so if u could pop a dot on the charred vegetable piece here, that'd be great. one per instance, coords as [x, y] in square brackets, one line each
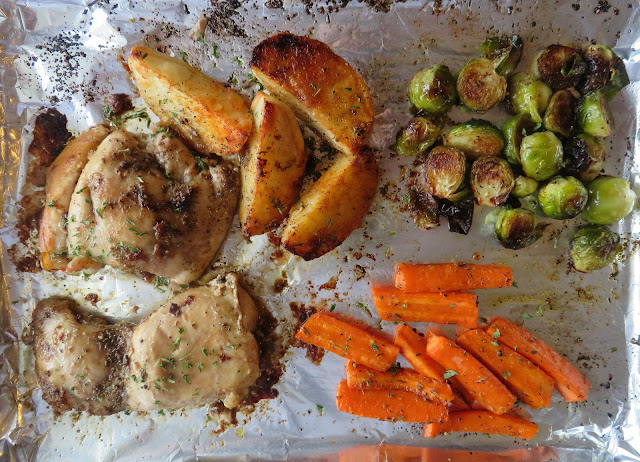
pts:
[433, 90]
[560, 115]
[524, 186]
[423, 207]
[444, 171]
[528, 96]
[618, 80]
[459, 212]
[479, 86]
[476, 138]
[491, 180]
[610, 200]
[584, 157]
[419, 134]
[505, 52]
[560, 66]
[594, 116]
[563, 198]
[517, 228]
[516, 128]
[541, 155]
[599, 60]
[593, 247]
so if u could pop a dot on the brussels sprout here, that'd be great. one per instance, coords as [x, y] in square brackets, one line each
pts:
[433, 90]
[528, 96]
[524, 186]
[479, 86]
[475, 138]
[599, 59]
[593, 247]
[560, 115]
[459, 212]
[505, 52]
[541, 155]
[618, 80]
[594, 116]
[491, 180]
[563, 198]
[610, 200]
[584, 157]
[517, 228]
[516, 128]
[419, 134]
[443, 171]
[560, 66]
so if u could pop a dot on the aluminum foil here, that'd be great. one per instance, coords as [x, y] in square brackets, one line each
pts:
[67, 54]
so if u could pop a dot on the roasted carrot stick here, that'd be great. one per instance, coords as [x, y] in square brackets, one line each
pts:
[487, 390]
[521, 376]
[393, 304]
[389, 405]
[570, 383]
[348, 341]
[449, 277]
[483, 422]
[399, 378]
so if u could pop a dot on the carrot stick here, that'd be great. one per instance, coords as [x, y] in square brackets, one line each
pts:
[449, 277]
[520, 375]
[400, 378]
[348, 341]
[451, 308]
[388, 405]
[485, 388]
[570, 383]
[483, 422]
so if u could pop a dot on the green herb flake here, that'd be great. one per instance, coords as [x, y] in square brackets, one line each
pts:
[320, 409]
[333, 307]
[183, 55]
[374, 347]
[363, 307]
[448, 374]
[526, 315]
[539, 310]
[200, 163]
[496, 334]
[240, 432]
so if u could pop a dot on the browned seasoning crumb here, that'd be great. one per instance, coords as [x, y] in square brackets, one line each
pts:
[302, 313]
[92, 298]
[279, 285]
[119, 103]
[330, 284]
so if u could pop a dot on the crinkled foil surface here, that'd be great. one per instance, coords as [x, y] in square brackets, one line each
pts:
[67, 55]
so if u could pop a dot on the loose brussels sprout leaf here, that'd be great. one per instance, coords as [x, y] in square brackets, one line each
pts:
[517, 228]
[516, 128]
[560, 115]
[475, 138]
[610, 200]
[563, 198]
[584, 157]
[419, 134]
[524, 186]
[443, 171]
[593, 247]
[479, 86]
[561, 66]
[505, 52]
[491, 180]
[599, 59]
[541, 155]
[433, 90]
[459, 212]
[423, 207]
[528, 96]
[593, 115]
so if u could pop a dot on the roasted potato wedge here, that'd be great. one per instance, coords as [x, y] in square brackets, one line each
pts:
[272, 167]
[320, 86]
[333, 207]
[213, 118]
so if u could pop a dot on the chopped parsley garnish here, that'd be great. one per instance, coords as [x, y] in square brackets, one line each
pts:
[448, 374]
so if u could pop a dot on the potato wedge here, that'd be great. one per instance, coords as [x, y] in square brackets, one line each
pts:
[333, 207]
[213, 118]
[320, 86]
[272, 167]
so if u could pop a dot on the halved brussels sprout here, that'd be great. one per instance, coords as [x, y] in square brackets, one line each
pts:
[524, 186]
[541, 155]
[491, 180]
[517, 228]
[560, 115]
[560, 66]
[516, 128]
[593, 247]
[528, 96]
[444, 171]
[563, 198]
[433, 90]
[584, 157]
[594, 116]
[475, 138]
[479, 86]
[505, 52]
[419, 134]
[459, 212]
[599, 59]
[610, 200]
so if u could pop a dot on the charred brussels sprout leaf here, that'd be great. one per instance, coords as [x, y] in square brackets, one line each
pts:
[516, 128]
[517, 228]
[528, 96]
[505, 52]
[560, 115]
[560, 66]
[593, 247]
[618, 80]
[563, 198]
[584, 157]
[479, 86]
[475, 138]
[459, 212]
[424, 208]
[419, 134]
[444, 171]
[433, 90]
[541, 155]
[594, 116]
[491, 180]
[524, 186]
[610, 200]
